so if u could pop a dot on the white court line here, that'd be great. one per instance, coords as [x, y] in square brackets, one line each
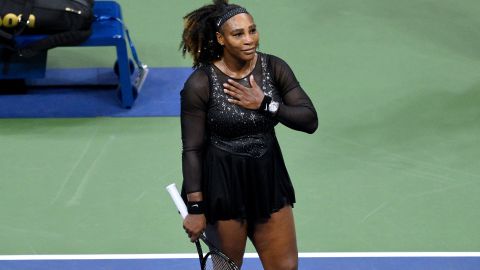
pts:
[247, 255]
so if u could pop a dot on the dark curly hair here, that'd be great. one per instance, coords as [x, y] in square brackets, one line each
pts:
[199, 33]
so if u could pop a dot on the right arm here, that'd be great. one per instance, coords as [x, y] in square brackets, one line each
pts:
[194, 100]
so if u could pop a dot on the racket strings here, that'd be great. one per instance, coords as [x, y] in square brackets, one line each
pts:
[214, 261]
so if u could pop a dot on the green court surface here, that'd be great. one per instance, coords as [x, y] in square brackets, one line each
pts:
[394, 165]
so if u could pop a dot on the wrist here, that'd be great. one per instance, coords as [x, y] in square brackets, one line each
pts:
[196, 208]
[196, 196]
[264, 105]
[269, 106]
[273, 108]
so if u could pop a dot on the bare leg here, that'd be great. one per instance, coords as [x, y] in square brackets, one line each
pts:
[275, 241]
[230, 236]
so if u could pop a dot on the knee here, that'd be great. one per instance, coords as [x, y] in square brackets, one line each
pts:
[285, 263]
[289, 264]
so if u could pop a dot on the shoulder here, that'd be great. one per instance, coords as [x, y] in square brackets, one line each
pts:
[282, 74]
[274, 60]
[277, 65]
[196, 90]
[197, 84]
[198, 79]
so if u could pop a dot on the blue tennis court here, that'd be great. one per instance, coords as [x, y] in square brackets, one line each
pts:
[365, 261]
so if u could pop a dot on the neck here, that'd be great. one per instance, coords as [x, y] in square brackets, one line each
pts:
[235, 68]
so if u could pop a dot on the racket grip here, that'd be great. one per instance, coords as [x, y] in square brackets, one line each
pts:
[177, 199]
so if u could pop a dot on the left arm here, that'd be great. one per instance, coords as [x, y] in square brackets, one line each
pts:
[296, 110]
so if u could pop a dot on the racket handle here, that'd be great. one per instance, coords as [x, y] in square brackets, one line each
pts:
[177, 199]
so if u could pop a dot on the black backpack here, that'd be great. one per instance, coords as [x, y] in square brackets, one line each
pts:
[63, 22]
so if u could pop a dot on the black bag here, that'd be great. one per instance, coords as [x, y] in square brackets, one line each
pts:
[64, 22]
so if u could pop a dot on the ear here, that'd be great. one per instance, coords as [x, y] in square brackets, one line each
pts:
[220, 38]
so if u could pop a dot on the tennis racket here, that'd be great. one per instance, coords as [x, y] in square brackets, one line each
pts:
[214, 259]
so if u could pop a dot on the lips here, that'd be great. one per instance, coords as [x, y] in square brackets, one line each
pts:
[249, 51]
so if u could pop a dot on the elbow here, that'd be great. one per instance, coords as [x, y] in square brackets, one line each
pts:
[312, 127]
[308, 125]
[311, 121]
[312, 124]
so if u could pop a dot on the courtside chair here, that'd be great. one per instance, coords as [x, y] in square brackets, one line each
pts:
[108, 29]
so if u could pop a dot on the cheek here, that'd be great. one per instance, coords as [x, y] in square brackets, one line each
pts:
[236, 44]
[257, 38]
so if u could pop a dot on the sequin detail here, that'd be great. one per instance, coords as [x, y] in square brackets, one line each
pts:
[250, 145]
[235, 129]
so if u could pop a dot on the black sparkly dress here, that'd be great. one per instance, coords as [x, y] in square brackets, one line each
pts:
[231, 154]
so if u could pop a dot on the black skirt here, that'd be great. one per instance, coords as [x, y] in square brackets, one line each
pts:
[243, 187]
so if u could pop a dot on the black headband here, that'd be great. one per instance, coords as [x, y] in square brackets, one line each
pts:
[229, 14]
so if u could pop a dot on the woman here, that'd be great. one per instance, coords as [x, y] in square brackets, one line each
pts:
[235, 178]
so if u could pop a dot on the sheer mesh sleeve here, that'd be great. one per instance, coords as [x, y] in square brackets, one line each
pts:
[194, 103]
[296, 111]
